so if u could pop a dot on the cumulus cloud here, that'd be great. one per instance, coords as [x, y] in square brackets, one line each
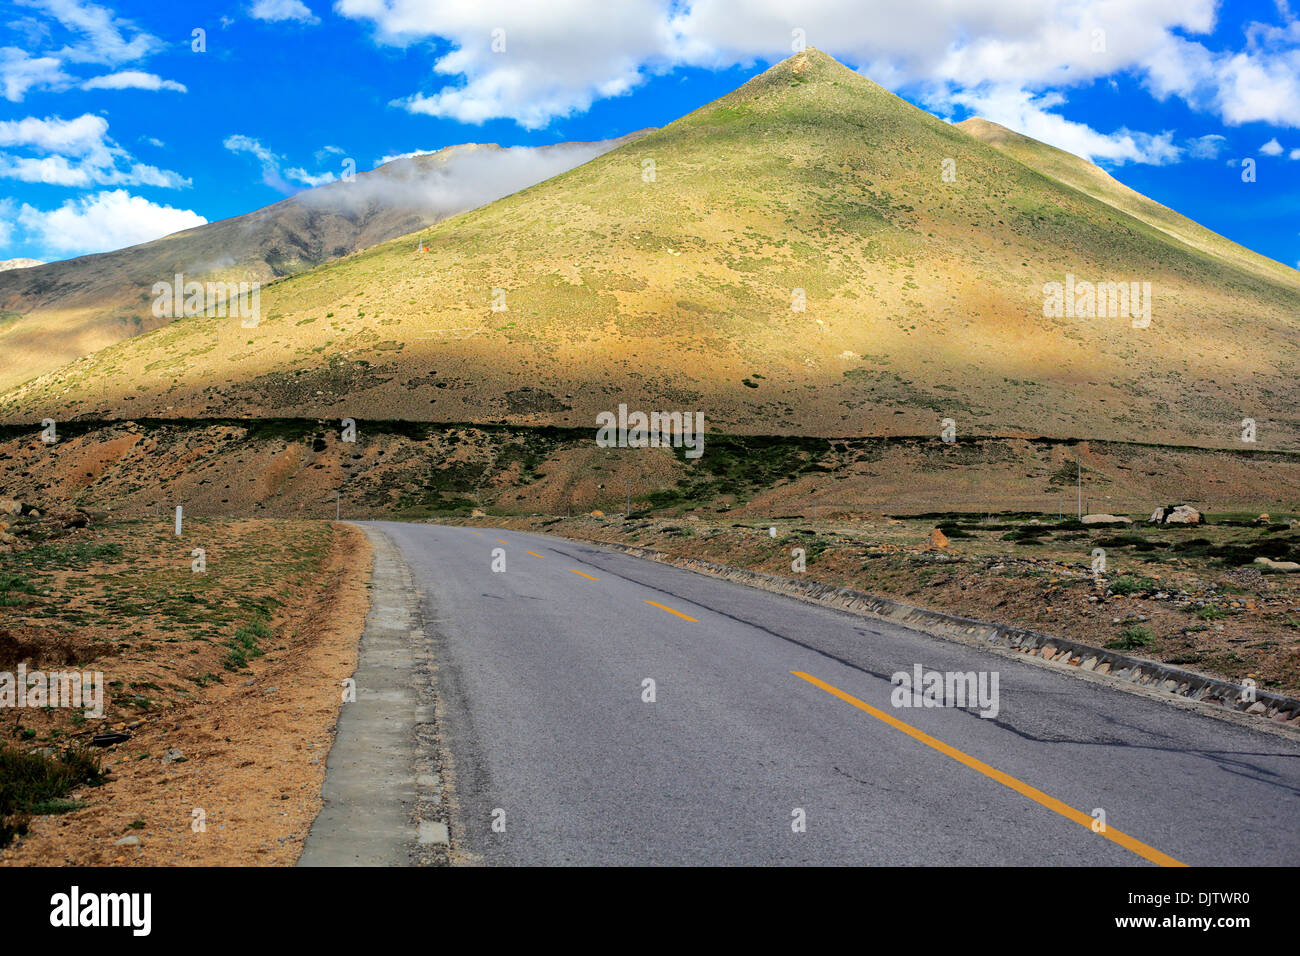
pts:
[1206, 147]
[132, 80]
[558, 57]
[21, 72]
[103, 221]
[1026, 113]
[275, 10]
[1271, 148]
[76, 152]
[534, 63]
[100, 35]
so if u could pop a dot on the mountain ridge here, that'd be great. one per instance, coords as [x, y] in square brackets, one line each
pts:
[668, 272]
[61, 310]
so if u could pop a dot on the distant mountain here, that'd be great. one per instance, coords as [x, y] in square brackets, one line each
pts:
[8, 264]
[808, 255]
[56, 312]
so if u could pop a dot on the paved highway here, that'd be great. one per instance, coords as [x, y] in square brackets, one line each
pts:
[768, 711]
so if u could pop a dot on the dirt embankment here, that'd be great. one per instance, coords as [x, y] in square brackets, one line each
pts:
[229, 683]
[308, 468]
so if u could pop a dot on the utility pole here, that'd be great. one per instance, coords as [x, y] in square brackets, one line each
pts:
[1080, 483]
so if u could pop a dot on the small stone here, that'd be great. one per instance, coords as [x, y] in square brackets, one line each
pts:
[173, 756]
[433, 832]
[128, 841]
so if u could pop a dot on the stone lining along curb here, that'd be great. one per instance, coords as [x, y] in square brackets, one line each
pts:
[1279, 710]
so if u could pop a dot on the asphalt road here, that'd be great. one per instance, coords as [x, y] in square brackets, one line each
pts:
[541, 668]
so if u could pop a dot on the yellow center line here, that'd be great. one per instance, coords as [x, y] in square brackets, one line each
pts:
[503, 542]
[479, 533]
[533, 553]
[587, 576]
[671, 611]
[1024, 789]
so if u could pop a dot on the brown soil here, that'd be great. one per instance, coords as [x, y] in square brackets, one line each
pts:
[254, 740]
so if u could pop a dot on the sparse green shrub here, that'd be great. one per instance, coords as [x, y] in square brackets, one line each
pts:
[1131, 638]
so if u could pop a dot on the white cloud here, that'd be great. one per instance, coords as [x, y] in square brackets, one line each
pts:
[1294, 154]
[459, 178]
[1206, 147]
[270, 162]
[1026, 113]
[104, 221]
[306, 178]
[559, 56]
[20, 72]
[1260, 83]
[8, 214]
[562, 56]
[132, 80]
[76, 152]
[275, 10]
[103, 36]
[1271, 148]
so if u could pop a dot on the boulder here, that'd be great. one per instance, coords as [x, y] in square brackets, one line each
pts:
[598, 513]
[10, 506]
[1176, 514]
[1280, 567]
[1184, 514]
[1105, 519]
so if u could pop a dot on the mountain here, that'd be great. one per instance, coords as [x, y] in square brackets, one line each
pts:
[63, 310]
[8, 264]
[1099, 184]
[670, 273]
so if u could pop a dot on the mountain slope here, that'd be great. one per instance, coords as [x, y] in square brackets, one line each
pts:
[677, 290]
[59, 311]
[1099, 184]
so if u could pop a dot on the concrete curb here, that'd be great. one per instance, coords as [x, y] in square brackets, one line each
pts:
[1217, 696]
[373, 794]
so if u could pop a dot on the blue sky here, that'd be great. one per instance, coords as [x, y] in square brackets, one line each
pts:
[115, 130]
